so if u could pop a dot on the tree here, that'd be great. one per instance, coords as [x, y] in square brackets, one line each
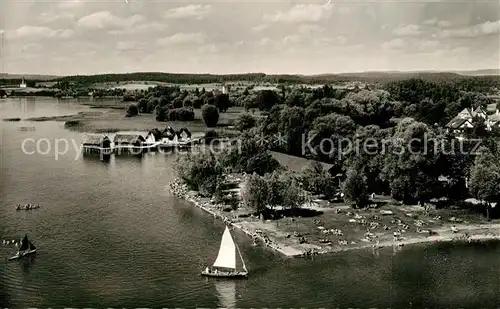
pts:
[180, 114]
[478, 128]
[291, 125]
[267, 99]
[128, 98]
[201, 172]
[354, 187]
[261, 164]
[132, 110]
[222, 103]
[410, 163]
[187, 102]
[142, 105]
[251, 156]
[255, 194]
[210, 115]
[197, 103]
[244, 122]
[161, 113]
[485, 178]
[317, 180]
[264, 193]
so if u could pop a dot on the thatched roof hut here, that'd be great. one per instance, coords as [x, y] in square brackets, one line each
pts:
[98, 140]
[129, 139]
[183, 133]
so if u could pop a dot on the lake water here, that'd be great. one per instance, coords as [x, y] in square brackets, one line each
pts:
[112, 235]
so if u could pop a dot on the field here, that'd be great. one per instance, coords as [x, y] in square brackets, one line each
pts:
[112, 119]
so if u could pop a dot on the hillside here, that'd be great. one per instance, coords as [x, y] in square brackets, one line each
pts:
[180, 78]
[38, 77]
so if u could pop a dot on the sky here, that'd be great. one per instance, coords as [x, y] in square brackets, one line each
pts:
[69, 37]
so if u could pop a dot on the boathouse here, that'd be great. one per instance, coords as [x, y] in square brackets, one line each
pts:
[150, 138]
[183, 134]
[129, 143]
[98, 144]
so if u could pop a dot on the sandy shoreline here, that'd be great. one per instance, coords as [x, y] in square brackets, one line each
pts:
[269, 233]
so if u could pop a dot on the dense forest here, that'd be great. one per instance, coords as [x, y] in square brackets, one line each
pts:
[334, 126]
[370, 77]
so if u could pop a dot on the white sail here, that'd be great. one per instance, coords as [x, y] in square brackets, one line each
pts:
[227, 252]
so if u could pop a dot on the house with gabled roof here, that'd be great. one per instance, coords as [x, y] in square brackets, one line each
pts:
[459, 125]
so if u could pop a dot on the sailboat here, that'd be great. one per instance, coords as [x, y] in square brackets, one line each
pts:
[25, 249]
[225, 264]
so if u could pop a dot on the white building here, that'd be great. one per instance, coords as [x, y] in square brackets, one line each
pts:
[23, 84]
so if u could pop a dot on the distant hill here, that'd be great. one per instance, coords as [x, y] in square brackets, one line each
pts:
[180, 78]
[480, 72]
[28, 76]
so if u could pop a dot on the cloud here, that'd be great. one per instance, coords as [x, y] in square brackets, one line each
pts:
[430, 22]
[310, 29]
[32, 47]
[408, 30]
[434, 22]
[189, 12]
[70, 4]
[330, 41]
[427, 45]
[394, 44]
[265, 42]
[443, 24]
[122, 46]
[292, 39]
[260, 28]
[210, 49]
[182, 39]
[52, 17]
[302, 13]
[104, 20]
[39, 32]
[486, 28]
[139, 29]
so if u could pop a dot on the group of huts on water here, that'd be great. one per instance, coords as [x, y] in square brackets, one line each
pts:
[136, 143]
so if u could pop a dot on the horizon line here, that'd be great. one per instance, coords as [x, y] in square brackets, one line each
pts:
[275, 73]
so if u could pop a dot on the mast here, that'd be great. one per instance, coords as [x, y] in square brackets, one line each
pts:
[241, 257]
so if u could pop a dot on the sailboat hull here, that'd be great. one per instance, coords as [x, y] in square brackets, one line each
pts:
[18, 255]
[223, 274]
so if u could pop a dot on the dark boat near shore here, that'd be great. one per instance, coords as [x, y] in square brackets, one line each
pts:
[225, 264]
[27, 207]
[26, 248]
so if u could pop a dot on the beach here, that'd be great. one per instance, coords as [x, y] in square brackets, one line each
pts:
[343, 234]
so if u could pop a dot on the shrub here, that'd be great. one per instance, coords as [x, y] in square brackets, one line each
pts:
[128, 98]
[181, 114]
[210, 115]
[210, 135]
[132, 110]
[142, 105]
[177, 102]
[197, 103]
[244, 122]
[161, 113]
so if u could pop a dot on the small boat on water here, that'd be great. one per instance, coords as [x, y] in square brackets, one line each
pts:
[27, 207]
[25, 249]
[225, 264]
